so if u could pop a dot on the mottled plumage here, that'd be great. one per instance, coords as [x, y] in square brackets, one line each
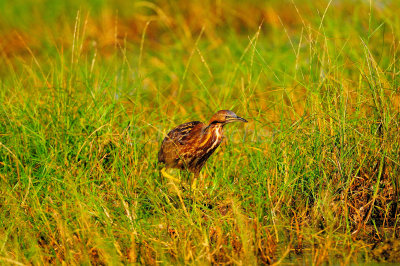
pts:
[188, 146]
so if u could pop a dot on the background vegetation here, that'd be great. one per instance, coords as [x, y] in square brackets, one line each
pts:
[88, 91]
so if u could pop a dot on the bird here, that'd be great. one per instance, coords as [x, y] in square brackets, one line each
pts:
[189, 145]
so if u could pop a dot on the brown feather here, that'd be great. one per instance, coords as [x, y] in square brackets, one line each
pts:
[188, 146]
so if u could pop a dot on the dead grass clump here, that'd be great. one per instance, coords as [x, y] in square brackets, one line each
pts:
[370, 201]
[240, 238]
[386, 251]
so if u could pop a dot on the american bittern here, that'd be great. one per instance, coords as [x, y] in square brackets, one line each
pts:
[188, 146]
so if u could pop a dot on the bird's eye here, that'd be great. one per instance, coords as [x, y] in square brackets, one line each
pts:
[227, 116]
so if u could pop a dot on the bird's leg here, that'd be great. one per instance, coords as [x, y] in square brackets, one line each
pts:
[170, 177]
[202, 178]
[193, 186]
[176, 189]
[194, 183]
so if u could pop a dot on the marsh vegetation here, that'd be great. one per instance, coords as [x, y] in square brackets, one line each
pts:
[88, 91]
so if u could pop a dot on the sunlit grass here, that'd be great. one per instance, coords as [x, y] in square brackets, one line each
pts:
[87, 96]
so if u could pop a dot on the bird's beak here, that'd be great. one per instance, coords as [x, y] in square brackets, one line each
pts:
[241, 119]
[235, 119]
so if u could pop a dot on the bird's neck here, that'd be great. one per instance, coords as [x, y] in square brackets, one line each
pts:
[215, 131]
[212, 134]
[213, 128]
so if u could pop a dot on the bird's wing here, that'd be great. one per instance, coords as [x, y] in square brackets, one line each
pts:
[179, 135]
[176, 137]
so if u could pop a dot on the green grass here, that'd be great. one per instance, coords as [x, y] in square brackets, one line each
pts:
[87, 92]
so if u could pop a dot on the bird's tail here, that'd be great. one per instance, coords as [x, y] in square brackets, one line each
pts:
[161, 157]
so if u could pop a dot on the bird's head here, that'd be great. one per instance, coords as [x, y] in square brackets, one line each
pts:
[224, 117]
